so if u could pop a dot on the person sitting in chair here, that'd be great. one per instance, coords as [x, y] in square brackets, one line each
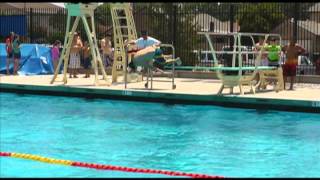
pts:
[146, 41]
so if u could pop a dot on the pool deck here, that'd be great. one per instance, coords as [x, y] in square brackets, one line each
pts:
[305, 97]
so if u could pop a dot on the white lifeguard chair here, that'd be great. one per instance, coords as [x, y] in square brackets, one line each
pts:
[81, 11]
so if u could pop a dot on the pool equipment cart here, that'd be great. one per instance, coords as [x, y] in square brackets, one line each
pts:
[81, 11]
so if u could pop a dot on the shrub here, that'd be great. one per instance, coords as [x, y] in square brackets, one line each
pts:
[56, 36]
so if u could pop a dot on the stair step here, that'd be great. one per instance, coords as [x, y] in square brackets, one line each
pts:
[123, 17]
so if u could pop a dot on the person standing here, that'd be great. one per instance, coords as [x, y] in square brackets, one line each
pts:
[258, 47]
[274, 51]
[16, 53]
[106, 48]
[75, 49]
[86, 59]
[55, 54]
[9, 49]
[292, 52]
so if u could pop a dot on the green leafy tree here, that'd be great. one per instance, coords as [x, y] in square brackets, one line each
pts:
[218, 10]
[292, 9]
[170, 23]
[103, 18]
[259, 17]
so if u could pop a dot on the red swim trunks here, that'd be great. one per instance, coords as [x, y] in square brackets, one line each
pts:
[289, 69]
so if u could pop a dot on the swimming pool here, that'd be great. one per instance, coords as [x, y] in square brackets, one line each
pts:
[211, 140]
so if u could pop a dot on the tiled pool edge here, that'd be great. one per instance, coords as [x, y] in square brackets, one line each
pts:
[170, 98]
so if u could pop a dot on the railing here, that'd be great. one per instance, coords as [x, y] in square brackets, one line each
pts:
[178, 24]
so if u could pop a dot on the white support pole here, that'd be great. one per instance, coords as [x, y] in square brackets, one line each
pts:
[215, 60]
[63, 51]
[104, 74]
[234, 50]
[66, 56]
[239, 56]
[92, 48]
[66, 49]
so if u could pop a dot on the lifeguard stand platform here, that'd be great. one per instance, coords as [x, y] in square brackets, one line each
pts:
[81, 11]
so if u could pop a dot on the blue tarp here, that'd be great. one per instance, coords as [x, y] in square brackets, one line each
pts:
[35, 59]
[15, 23]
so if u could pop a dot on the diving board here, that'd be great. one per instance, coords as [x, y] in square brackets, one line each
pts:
[238, 77]
[222, 68]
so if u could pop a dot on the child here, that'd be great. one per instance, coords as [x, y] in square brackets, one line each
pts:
[9, 41]
[55, 53]
[87, 59]
[16, 53]
[106, 50]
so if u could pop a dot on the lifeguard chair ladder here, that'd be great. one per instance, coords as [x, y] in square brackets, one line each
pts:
[124, 29]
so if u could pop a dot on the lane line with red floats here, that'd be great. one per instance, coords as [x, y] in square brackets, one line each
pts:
[102, 166]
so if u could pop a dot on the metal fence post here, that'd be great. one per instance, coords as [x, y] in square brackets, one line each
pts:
[231, 15]
[31, 25]
[295, 24]
[174, 24]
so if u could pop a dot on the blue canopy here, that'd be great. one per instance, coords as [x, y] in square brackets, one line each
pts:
[35, 59]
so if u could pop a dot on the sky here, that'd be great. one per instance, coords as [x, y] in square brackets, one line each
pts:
[59, 4]
[62, 4]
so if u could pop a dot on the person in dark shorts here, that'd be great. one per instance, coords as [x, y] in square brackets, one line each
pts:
[86, 59]
[159, 60]
[16, 53]
[318, 66]
[292, 52]
[9, 49]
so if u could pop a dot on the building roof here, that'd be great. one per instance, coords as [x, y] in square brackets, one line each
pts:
[30, 5]
[311, 26]
[314, 8]
[203, 20]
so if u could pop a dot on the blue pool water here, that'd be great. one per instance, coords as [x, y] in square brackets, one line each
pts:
[202, 139]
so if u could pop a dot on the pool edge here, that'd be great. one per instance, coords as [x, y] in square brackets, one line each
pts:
[169, 98]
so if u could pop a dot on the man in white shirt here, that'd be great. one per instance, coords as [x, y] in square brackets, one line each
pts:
[146, 41]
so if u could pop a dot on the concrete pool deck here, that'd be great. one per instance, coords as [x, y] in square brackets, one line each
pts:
[305, 97]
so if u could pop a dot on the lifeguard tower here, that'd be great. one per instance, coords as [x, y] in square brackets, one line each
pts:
[81, 11]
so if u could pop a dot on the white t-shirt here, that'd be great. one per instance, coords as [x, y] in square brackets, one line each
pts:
[141, 43]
